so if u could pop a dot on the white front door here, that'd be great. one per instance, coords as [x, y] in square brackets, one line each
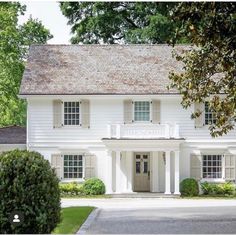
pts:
[142, 172]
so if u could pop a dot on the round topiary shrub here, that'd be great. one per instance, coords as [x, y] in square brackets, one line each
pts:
[30, 186]
[93, 186]
[189, 187]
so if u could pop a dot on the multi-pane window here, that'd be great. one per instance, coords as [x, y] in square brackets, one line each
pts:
[71, 113]
[212, 166]
[141, 111]
[73, 166]
[209, 115]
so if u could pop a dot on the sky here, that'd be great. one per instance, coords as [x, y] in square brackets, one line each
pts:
[50, 15]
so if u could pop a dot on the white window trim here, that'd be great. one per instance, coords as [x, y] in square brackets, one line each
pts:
[214, 180]
[150, 113]
[71, 126]
[68, 180]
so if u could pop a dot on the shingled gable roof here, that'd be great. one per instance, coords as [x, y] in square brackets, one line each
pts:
[99, 69]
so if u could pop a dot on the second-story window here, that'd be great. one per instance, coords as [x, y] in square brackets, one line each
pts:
[141, 111]
[71, 113]
[209, 115]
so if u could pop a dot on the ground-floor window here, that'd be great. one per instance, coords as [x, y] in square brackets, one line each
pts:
[212, 166]
[73, 166]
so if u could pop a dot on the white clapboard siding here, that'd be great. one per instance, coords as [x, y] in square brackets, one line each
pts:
[102, 112]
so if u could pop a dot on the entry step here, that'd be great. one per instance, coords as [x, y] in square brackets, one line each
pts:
[143, 195]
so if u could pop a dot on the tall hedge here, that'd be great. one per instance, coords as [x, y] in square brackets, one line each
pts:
[29, 185]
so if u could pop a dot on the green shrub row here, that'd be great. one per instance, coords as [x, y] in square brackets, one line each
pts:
[224, 189]
[70, 189]
[91, 186]
[190, 187]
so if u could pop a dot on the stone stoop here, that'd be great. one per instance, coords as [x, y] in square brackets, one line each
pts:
[143, 195]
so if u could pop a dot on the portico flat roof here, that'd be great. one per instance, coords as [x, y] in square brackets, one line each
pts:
[147, 145]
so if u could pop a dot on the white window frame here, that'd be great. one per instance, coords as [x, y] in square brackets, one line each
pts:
[63, 112]
[83, 168]
[222, 179]
[150, 111]
[209, 112]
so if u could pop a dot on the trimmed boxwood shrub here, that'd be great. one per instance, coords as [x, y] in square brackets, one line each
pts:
[214, 189]
[189, 187]
[28, 184]
[93, 186]
[71, 189]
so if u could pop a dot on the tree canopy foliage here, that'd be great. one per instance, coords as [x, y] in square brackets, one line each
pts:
[210, 66]
[14, 42]
[119, 22]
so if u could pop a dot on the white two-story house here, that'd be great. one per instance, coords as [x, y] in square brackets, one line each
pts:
[105, 111]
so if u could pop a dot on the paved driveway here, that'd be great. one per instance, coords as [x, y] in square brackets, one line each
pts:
[140, 216]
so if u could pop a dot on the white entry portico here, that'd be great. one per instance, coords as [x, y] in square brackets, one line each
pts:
[149, 161]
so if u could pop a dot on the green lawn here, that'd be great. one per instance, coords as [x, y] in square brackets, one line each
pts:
[72, 219]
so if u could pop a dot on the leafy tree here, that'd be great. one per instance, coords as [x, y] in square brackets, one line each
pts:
[14, 42]
[209, 66]
[119, 22]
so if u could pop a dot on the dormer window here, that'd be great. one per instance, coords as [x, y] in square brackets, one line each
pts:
[141, 111]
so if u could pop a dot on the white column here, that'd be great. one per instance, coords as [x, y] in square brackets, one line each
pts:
[154, 175]
[177, 173]
[109, 173]
[167, 183]
[118, 172]
[129, 170]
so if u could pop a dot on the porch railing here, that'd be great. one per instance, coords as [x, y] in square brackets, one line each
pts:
[143, 131]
